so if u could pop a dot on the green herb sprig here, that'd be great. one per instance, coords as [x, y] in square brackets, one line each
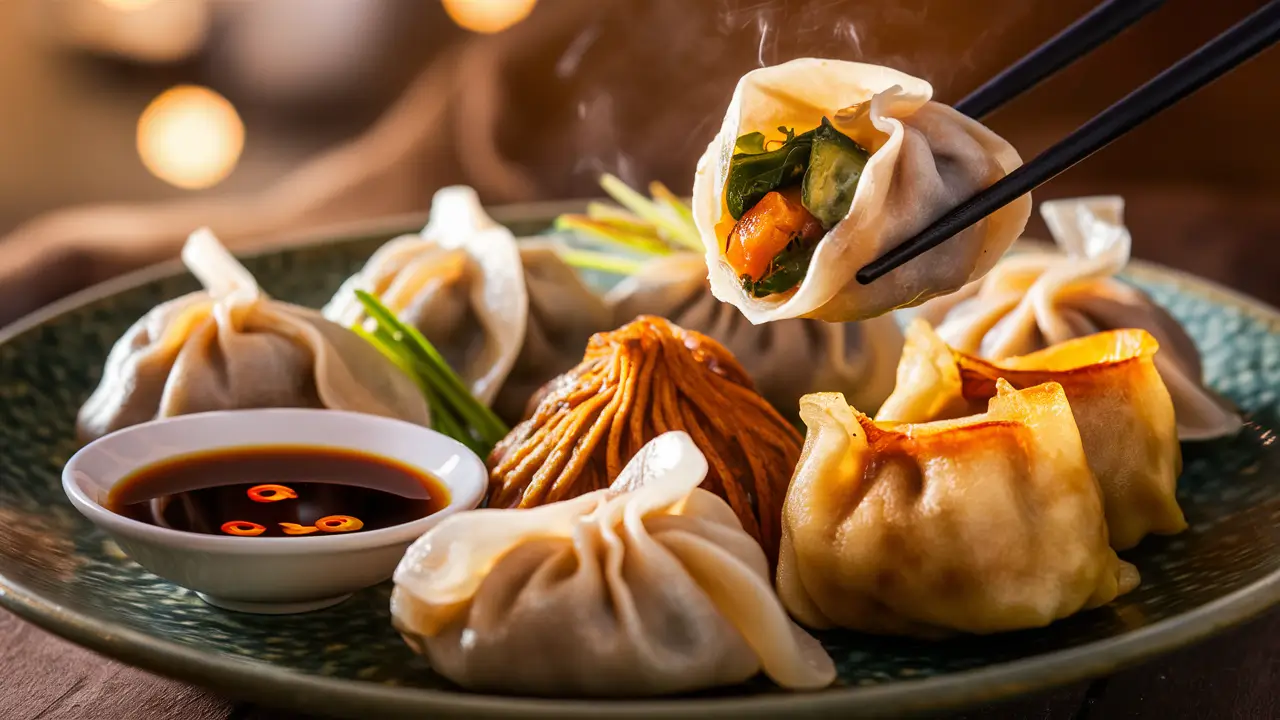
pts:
[454, 410]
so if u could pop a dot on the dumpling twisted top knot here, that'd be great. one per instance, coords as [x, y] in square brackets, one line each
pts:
[230, 346]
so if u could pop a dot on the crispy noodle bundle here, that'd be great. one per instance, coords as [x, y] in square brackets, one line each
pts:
[635, 383]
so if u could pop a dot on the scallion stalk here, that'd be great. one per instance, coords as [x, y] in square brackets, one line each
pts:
[651, 212]
[613, 234]
[602, 262]
[454, 410]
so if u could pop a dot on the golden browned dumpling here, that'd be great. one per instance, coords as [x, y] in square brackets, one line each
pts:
[1120, 404]
[1034, 299]
[988, 523]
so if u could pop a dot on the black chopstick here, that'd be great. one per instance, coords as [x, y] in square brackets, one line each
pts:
[1080, 38]
[1244, 40]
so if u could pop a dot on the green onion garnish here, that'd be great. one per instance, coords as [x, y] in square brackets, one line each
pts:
[641, 226]
[454, 410]
[667, 214]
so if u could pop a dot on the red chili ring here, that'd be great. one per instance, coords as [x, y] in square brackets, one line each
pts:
[339, 523]
[296, 529]
[242, 528]
[271, 493]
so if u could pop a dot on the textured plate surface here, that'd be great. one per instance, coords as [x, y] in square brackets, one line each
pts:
[60, 572]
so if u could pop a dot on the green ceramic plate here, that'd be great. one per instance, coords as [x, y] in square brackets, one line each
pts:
[58, 571]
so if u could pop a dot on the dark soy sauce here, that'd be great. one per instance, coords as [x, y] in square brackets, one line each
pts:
[278, 491]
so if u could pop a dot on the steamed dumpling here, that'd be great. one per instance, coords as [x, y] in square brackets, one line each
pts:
[1035, 299]
[507, 316]
[984, 524]
[230, 347]
[649, 590]
[460, 283]
[786, 359]
[1119, 403]
[563, 315]
[884, 162]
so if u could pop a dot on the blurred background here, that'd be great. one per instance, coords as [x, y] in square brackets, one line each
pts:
[124, 124]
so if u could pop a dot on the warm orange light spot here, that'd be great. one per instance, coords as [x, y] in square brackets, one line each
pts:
[243, 528]
[190, 137]
[296, 529]
[271, 493]
[488, 16]
[339, 523]
[128, 5]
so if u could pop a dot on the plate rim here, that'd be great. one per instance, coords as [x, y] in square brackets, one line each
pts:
[269, 684]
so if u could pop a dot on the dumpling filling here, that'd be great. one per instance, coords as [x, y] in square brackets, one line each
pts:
[783, 200]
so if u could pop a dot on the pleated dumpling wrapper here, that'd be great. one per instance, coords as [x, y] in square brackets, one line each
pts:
[648, 588]
[1035, 299]
[563, 315]
[820, 167]
[1119, 403]
[983, 524]
[230, 346]
[459, 282]
[506, 316]
[785, 359]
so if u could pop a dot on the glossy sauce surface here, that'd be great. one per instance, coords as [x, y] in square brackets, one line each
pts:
[278, 491]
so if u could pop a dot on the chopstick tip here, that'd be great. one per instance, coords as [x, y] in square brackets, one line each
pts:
[869, 274]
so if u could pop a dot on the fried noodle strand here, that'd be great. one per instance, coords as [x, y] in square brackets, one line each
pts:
[645, 378]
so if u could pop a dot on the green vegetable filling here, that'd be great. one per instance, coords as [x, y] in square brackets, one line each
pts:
[835, 166]
[752, 175]
[785, 272]
[826, 163]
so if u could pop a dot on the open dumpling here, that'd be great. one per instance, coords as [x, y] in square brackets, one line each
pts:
[983, 524]
[786, 359]
[820, 167]
[1035, 299]
[1119, 403]
[230, 347]
[647, 589]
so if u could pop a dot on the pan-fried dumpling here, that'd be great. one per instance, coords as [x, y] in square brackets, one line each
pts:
[1035, 299]
[1119, 403]
[785, 359]
[460, 283]
[820, 167]
[650, 588]
[230, 347]
[983, 524]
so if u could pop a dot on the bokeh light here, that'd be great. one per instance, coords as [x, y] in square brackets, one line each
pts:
[488, 16]
[190, 137]
[127, 5]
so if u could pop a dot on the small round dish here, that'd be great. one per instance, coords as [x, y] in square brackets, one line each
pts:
[268, 575]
